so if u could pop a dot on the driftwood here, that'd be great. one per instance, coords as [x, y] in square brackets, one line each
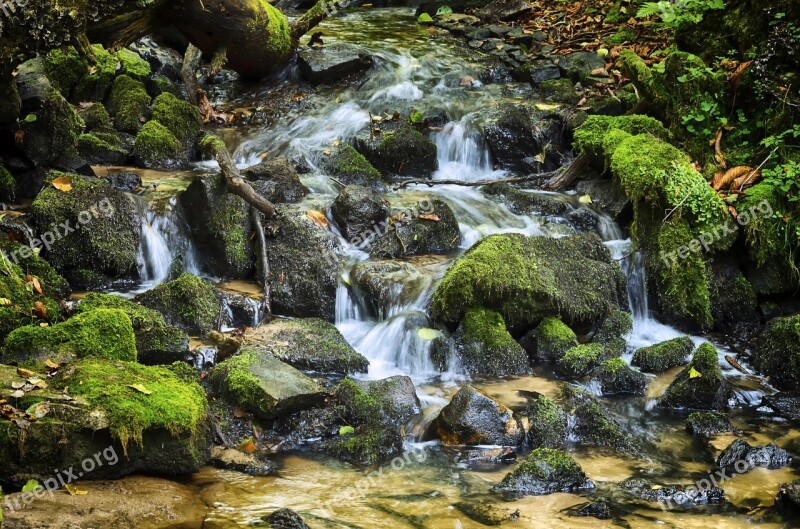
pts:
[255, 217]
[478, 183]
[191, 61]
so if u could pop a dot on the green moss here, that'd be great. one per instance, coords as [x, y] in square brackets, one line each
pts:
[578, 361]
[96, 118]
[486, 346]
[8, 186]
[700, 385]
[241, 384]
[65, 68]
[618, 324]
[276, 24]
[132, 65]
[369, 445]
[188, 302]
[777, 352]
[593, 423]
[555, 459]
[180, 117]
[662, 356]
[52, 283]
[640, 164]
[621, 37]
[103, 333]
[348, 164]
[553, 340]
[130, 103]
[95, 146]
[591, 136]
[228, 220]
[558, 90]
[156, 146]
[96, 83]
[355, 405]
[548, 424]
[169, 402]
[13, 287]
[766, 235]
[707, 423]
[211, 143]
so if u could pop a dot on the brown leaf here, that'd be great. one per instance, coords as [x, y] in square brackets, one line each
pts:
[318, 218]
[430, 216]
[746, 180]
[19, 138]
[467, 80]
[723, 179]
[736, 365]
[239, 412]
[249, 447]
[25, 373]
[63, 183]
[40, 310]
[34, 282]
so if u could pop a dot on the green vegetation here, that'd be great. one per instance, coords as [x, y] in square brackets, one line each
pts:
[130, 103]
[132, 65]
[548, 424]
[180, 117]
[156, 146]
[662, 356]
[188, 302]
[553, 340]
[578, 361]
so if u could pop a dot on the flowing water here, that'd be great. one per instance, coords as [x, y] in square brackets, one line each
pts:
[418, 71]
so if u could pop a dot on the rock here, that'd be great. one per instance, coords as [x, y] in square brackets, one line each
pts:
[238, 461]
[599, 509]
[262, 384]
[308, 258]
[95, 84]
[101, 149]
[156, 341]
[669, 495]
[483, 346]
[788, 498]
[358, 211]
[130, 104]
[549, 341]
[606, 195]
[402, 151]
[135, 418]
[529, 202]
[593, 424]
[514, 141]
[285, 519]
[124, 180]
[188, 302]
[162, 59]
[181, 118]
[580, 64]
[662, 356]
[707, 424]
[10, 102]
[559, 91]
[384, 285]
[777, 352]
[784, 404]
[742, 457]
[503, 10]
[332, 62]
[545, 471]
[350, 167]
[98, 227]
[538, 71]
[485, 513]
[701, 385]
[239, 309]
[733, 300]
[581, 359]
[474, 418]
[391, 401]
[617, 325]
[369, 445]
[309, 344]
[276, 180]
[617, 378]
[220, 225]
[156, 147]
[149, 503]
[526, 279]
[548, 424]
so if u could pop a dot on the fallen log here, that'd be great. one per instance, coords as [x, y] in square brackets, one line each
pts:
[477, 183]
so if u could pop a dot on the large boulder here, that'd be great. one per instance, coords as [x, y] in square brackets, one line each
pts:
[390, 401]
[368, 445]
[187, 302]
[741, 457]
[358, 211]
[474, 418]
[701, 385]
[328, 64]
[403, 151]
[527, 279]
[263, 385]
[549, 426]
[276, 180]
[309, 344]
[545, 471]
[777, 352]
[616, 377]
[518, 142]
[664, 355]
[580, 64]
[504, 10]
[350, 167]
[305, 261]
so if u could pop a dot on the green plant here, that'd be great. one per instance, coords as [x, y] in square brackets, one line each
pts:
[676, 13]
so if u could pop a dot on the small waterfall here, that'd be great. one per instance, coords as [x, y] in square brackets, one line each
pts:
[462, 153]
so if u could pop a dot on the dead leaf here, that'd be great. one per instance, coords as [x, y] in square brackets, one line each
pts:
[18, 394]
[467, 80]
[52, 365]
[75, 491]
[249, 447]
[336, 143]
[327, 152]
[239, 412]
[39, 410]
[430, 216]
[63, 183]
[318, 218]
[25, 373]
[723, 179]
[34, 282]
[17, 384]
[19, 138]
[140, 388]
[736, 365]
[40, 310]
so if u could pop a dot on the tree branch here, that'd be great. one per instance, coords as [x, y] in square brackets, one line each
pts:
[431, 183]
[255, 216]
[191, 61]
[311, 18]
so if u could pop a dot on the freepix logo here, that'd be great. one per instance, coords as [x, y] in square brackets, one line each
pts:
[9, 7]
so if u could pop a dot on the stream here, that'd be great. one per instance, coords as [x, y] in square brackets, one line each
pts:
[426, 76]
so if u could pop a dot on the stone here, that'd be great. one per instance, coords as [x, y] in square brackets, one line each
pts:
[545, 471]
[330, 63]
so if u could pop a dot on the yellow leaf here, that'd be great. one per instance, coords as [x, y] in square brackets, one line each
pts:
[326, 152]
[336, 143]
[318, 218]
[430, 216]
[694, 373]
[63, 183]
[5, 302]
[547, 107]
[585, 199]
[75, 491]
[140, 388]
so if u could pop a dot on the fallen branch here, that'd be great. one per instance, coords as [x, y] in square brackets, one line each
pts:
[255, 216]
[568, 175]
[431, 183]
[311, 18]
[191, 61]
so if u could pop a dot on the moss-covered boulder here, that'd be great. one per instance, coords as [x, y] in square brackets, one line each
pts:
[276, 180]
[130, 104]
[527, 279]
[367, 446]
[123, 416]
[102, 333]
[52, 283]
[549, 341]
[220, 225]
[403, 152]
[263, 385]
[187, 302]
[156, 342]
[664, 355]
[593, 424]
[777, 352]
[102, 148]
[474, 418]
[96, 117]
[708, 424]
[701, 385]
[617, 378]
[391, 401]
[156, 147]
[593, 138]
[19, 306]
[548, 424]
[618, 324]
[580, 360]
[8, 186]
[132, 65]
[96, 82]
[482, 345]
[545, 471]
[95, 227]
[65, 68]
[351, 168]
[180, 117]
[309, 344]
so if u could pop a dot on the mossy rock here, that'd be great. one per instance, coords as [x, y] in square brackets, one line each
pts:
[551, 340]
[105, 222]
[156, 147]
[156, 342]
[187, 302]
[618, 324]
[101, 333]
[484, 346]
[708, 424]
[777, 352]
[733, 298]
[130, 104]
[180, 117]
[96, 118]
[559, 91]
[51, 130]
[132, 65]
[65, 68]
[529, 278]
[8, 186]
[701, 385]
[262, 384]
[548, 424]
[52, 283]
[391, 401]
[545, 471]
[96, 84]
[13, 287]
[596, 135]
[308, 344]
[351, 168]
[101, 149]
[580, 360]
[402, 152]
[367, 446]
[617, 378]
[659, 357]
[594, 424]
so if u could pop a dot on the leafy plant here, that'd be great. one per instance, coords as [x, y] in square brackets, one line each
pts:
[676, 13]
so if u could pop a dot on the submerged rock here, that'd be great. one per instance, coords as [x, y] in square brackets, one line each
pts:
[276, 180]
[332, 62]
[598, 508]
[368, 445]
[188, 302]
[238, 461]
[671, 495]
[777, 352]
[662, 356]
[707, 424]
[545, 471]
[788, 498]
[285, 519]
[485, 513]
[474, 418]
[309, 344]
[785, 404]
[593, 424]
[701, 385]
[742, 457]
[548, 424]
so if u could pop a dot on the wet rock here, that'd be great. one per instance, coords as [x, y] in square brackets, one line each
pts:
[188, 302]
[368, 446]
[162, 59]
[545, 471]
[392, 401]
[101, 149]
[788, 498]
[741, 457]
[276, 180]
[285, 519]
[308, 344]
[238, 461]
[485, 513]
[384, 285]
[308, 258]
[129, 104]
[10, 102]
[593, 423]
[662, 356]
[733, 300]
[149, 502]
[238, 309]
[330, 63]
[580, 64]
[263, 385]
[503, 10]
[549, 341]
[617, 325]
[358, 211]
[580, 360]
[784, 404]
[474, 418]
[401, 151]
[617, 378]
[538, 71]
[548, 424]
[350, 167]
[701, 385]
[671, 495]
[513, 140]
[559, 91]
[482, 345]
[527, 279]
[529, 202]
[606, 195]
[124, 180]
[220, 225]
[707, 424]
[777, 352]
[599, 509]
